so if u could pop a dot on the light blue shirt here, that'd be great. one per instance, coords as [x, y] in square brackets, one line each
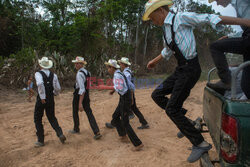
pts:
[119, 82]
[80, 80]
[183, 27]
[242, 8]
[129, 77]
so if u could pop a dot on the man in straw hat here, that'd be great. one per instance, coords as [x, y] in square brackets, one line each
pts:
[81, 99]
[120, 117]
[239, 43]
[180, 41]
[124, 64]
[48, 86]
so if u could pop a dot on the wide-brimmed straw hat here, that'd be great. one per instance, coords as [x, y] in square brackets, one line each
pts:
[45, 63]
[152, 5]
[79, 60]
[112, 63]
[124, 60]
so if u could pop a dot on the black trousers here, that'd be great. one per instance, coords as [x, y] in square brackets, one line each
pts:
[179, 85]
[232, 45]
[121, 121]
[49, 108]
[137, 112]
[87, 109]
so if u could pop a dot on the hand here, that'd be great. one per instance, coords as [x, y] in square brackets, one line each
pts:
[151, 64]
[224, 37]
[112, 92]
[43, 101]
[80, 108]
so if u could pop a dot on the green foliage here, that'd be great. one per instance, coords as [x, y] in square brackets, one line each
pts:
[24, 59]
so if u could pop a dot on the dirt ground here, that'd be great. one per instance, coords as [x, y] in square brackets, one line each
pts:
[162, 147]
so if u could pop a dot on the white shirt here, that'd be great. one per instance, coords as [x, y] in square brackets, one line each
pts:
[80, 80]
[129, 77]
[119, 82]
[183, 27]
[242, 8]
[40, 85]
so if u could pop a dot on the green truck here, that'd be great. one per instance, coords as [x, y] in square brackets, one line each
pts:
[228, 122]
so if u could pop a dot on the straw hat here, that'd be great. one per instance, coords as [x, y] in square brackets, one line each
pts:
[79, 60]
[112, 63]
[45, 63]
[152, 5]
[124, 60]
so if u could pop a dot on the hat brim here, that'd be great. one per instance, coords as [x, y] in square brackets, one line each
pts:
[83, 62]
[120, 61]
[46, 67]
[154, 7]
[109, 64]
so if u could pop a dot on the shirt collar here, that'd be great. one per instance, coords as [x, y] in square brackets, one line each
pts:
[81, 69]
[127, 68]
[169, 17]
[118, 70]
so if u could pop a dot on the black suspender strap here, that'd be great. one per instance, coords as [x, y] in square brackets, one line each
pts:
[173, 46]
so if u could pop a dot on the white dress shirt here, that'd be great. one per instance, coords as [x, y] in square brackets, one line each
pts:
[129, 77]
[80, 80]
[40, 85]
[119, 82]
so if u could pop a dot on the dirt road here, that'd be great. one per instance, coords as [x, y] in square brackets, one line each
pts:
[162, 147]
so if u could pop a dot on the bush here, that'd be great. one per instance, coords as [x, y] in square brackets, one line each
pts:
[24, 59]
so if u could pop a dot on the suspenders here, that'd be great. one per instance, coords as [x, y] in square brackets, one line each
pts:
[173, 46]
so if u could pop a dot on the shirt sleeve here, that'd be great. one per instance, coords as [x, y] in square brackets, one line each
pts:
[166, 51]
[128, 76]
[80, 79]
[40, 85]
[119, 84]
[56, 85]
[235, 35]
[193, 19]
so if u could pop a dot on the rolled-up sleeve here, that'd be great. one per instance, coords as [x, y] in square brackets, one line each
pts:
[194, 19]
[80, 79]
[56, 85]
[40, 85]
[166, 53]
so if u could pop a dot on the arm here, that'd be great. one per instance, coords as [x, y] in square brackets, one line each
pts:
[81, 97]
[154, 62]
[234, 21]
[80, 79]
[56, 85]
[40, 87]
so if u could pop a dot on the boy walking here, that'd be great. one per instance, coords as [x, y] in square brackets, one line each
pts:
[179, 40]
[120, 117]
[81, 100]
[124, 64]
[48, 86]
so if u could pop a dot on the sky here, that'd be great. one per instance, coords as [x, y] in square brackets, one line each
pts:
[228, 11]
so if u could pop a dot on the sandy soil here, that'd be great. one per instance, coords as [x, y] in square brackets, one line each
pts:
[162, 147]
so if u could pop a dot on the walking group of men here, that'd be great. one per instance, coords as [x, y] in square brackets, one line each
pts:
[179, 41]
